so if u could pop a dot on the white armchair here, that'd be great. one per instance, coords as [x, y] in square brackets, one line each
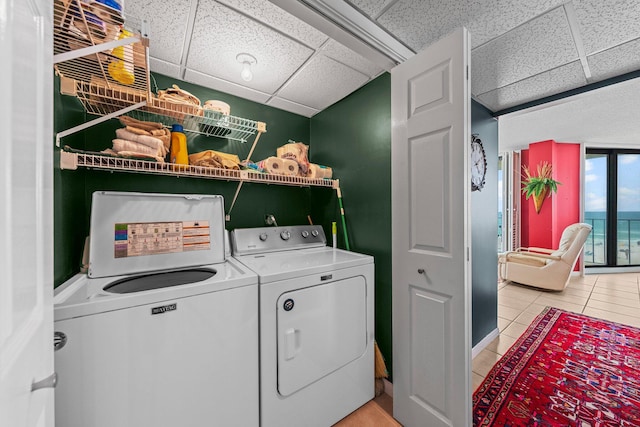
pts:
[545, 268]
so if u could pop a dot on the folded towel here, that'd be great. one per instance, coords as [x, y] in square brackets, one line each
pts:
[141, 127]
[124, 145]
[149, 126]
[132, 155]
[147, 140]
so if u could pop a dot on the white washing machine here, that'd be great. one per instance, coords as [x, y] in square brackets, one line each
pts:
[316, 325]
[163, 330]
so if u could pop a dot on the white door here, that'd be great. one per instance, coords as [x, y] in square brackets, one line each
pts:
[430, 103]
[26, 213]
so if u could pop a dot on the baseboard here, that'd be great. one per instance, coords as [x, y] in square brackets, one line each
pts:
[484, 342]
[388, 387]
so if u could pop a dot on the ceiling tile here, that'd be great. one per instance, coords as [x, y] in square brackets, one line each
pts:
[343, 54]
[604, 24]
[554, 81]
[201, 79]
[167, 25]
[292, 107]
[168, 69]
[321, 83]
[221, 33]
[616, 61]
[273, 16]
[371, 8]
[420, 23]
[539, 45]
[490, 19]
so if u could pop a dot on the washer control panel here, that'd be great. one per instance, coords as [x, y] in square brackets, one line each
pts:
[246, 241]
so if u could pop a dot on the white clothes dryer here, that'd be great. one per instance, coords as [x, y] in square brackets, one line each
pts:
[163, 329]
[316, 325]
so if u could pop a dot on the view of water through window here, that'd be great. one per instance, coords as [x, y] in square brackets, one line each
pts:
[604, 197]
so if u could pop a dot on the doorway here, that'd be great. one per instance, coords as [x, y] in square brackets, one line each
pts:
[612, 207]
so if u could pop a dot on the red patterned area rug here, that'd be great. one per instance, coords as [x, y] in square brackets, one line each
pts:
[567, 369]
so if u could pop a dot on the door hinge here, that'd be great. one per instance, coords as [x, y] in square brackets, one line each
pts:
[468, 254]
[467, 72]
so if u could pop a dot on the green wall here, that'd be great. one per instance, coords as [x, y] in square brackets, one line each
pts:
[354, 137]
[73, 189]
[484, 230]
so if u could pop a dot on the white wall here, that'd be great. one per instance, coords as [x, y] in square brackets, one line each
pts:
[604, 117]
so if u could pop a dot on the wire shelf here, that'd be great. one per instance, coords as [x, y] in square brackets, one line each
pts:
[90, 45]
[100, 99]
[70, 160]
[204, 122]
[108, 74]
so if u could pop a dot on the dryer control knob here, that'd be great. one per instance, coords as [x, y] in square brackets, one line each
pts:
[314, 233]
[305, 234]
[263, 236]
[285, 235]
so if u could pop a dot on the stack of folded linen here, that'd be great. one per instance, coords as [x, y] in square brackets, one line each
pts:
[141, 139]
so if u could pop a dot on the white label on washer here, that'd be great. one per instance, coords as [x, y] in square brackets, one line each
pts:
[153, 238]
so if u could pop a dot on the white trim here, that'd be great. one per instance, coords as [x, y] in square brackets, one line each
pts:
[388, 387]
[484, 342]
[347, 17]
[570, 11]
[346, 25]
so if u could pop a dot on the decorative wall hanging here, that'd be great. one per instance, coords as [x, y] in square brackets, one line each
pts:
[539, 186]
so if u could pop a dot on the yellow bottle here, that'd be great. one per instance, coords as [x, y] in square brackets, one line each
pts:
[122, 70]
[178, 154]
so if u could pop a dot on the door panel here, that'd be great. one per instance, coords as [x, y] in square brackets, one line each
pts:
[26, 215]
[431, 262]
[430, 89]
[428, 380]
[428, 159]
[320, 329]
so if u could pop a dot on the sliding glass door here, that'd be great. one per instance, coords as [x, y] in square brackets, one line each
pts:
[612, 207]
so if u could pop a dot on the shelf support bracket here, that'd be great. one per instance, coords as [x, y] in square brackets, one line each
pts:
[243, 176]
[261, 130]
[89, 50]
[96, 121]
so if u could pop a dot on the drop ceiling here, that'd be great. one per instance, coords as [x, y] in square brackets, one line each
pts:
[312, 53]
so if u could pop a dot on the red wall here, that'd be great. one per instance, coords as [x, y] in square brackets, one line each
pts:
[524, 207]
[562, 208]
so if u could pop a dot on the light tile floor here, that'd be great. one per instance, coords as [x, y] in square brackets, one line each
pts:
[614, 297]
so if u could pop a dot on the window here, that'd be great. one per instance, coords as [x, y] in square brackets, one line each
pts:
[612, 207]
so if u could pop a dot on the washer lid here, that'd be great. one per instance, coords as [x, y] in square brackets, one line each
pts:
[83, 296]
[276, 266]
[142, 232]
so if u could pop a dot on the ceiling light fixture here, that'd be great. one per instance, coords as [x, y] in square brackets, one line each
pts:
[247, 61]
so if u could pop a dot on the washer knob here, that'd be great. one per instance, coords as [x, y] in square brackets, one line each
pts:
[263, 236]
[305, 234]
[314, 233]
[285, 235]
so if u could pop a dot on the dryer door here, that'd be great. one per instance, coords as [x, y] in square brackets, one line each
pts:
[320, 329]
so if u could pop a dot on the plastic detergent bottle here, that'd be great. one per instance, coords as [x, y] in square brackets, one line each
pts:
[122, 69]
[178, 154]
